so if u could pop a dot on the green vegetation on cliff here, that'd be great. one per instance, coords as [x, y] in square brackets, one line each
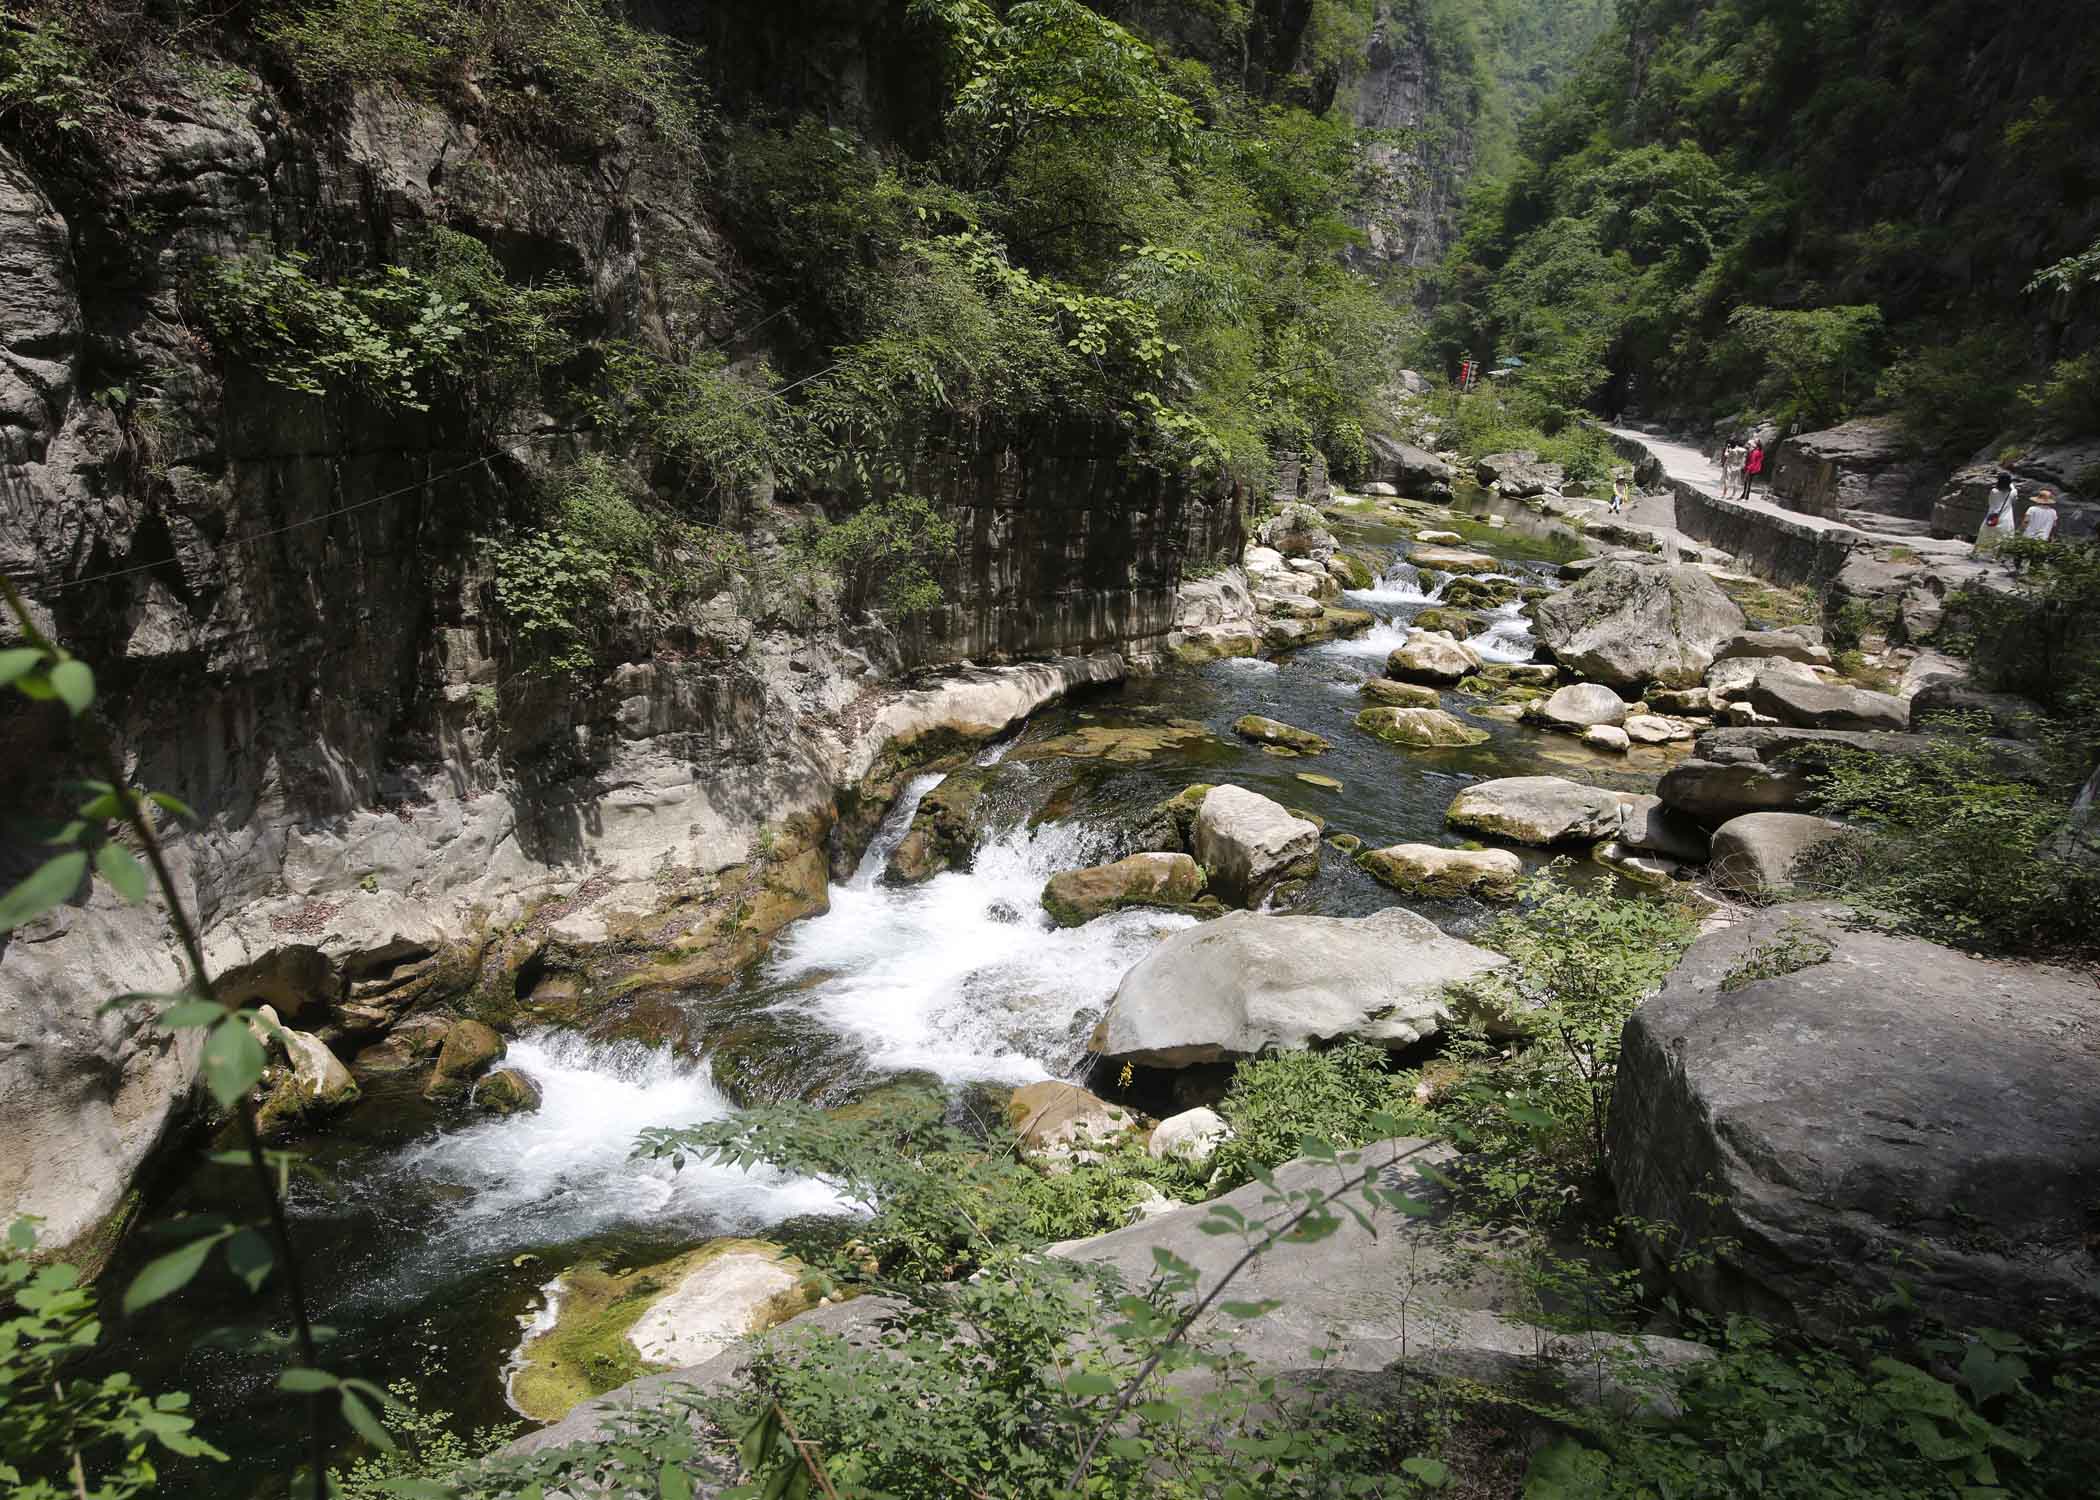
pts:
[1802, 209]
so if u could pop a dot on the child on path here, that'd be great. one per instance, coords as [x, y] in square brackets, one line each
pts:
[1997, 513]
[2040, 524]
[1618, 493]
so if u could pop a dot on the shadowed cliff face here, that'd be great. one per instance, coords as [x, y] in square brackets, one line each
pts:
[289, 605]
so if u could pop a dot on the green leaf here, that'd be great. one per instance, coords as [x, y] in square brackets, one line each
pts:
[53, 883]
[233, 1061]
[169, 1273]
[1428, 1470]
[1250, 1310]
[21, 1235]
[367, 1426]
[1089, 1383]
[249, 1256]
[304, 1380]
[188, 1013]
[672, 1483]
[1529, 1114]
[122, 872]
[74, 682]
[16, 661]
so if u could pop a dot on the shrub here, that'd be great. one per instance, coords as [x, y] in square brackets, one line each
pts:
[889, 552]
[1950, 848]
[1277, 1101]
[576, 64]
[1954, 399]
[48, 81]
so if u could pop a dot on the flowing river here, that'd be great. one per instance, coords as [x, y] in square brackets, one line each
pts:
[428, 1238]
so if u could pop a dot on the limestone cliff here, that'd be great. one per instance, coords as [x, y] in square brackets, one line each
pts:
[291, 615]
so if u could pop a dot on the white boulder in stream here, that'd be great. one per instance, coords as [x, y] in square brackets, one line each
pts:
[1538, 810]
[1427, 657]
[1251, 982]
[1581, 704]
[1250, 845]
[1628, 623]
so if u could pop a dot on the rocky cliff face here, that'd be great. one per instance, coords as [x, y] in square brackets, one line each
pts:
[295, 631]
[1407, 88]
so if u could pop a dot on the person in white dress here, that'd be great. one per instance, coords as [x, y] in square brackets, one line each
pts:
[1998, 514]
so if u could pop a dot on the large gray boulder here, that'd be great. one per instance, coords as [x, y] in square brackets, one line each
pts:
[1651, 828]
[1538, 810]
[1629, 623]
[1520, 474]
[1755, 854]
[1891, 1110]
[1431, 870]
[1727, 681]
[1820, 705]
[1580, 705]
[1410, 470]
[1250, 845]
[1076, 897]
[1426, 657]
[1252, 982]
[1298, 531]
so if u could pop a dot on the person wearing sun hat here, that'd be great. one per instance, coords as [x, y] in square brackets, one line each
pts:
[2039, 524]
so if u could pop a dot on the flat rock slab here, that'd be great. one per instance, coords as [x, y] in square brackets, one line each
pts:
[1894, 1099]
[1251, 982]
[714, 1306]
[1818, 705]
[1453, 560]
[1540, 810]
[1419, 728]
[1431, 870]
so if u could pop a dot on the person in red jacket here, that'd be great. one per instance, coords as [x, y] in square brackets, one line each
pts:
[1753, 466]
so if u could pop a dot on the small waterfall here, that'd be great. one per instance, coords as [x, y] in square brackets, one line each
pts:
[1398, 586]
[896, 823]
[965, 976]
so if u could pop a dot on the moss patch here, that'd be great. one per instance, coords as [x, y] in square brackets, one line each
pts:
[586, 1353]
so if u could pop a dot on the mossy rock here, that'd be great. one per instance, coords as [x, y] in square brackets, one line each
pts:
[1480, 593]
[1171, 825]
[1401, 694]
[588, 1350]
[1419, 728]
[1125, 744]
[470, 1049]
[1455, 622]
[1275, 734]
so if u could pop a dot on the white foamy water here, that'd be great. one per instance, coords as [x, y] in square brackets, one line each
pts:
[965, 976]
[565, 1170]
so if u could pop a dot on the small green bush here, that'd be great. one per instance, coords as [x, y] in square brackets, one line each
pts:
[1950, 848]
[48, 81]
[1277, 1101]
[890, 552]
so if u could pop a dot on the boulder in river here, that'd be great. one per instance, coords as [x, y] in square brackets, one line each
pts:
[506, 1091]
[1075, 897]
[1607, 737]
[1405, 469]
[1426, 657]
[1401, 694]
[1520, 473]
[1755, 854]
[1579, 705]
[311, 1083]
[1540, 674]
[1268, 731]
[1636, 865]
[1419, 728]
[1431, 870]
[1170, 827]
[471, 1048]
[1652, 828]
[1252, 982]
[1843, 1109]
[1727, 681]
[1629, 623]
[1250, 845]
[944, 831]
[1541, 810]
[1653, 729]
[1479, 593]
[1452, 622]
[1298, 531]
[1818, 705]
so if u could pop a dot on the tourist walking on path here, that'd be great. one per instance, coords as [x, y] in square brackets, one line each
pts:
[1997, 513]
[1731, 467]
[1753, 466]
[1618, 494]
[2040, 523]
